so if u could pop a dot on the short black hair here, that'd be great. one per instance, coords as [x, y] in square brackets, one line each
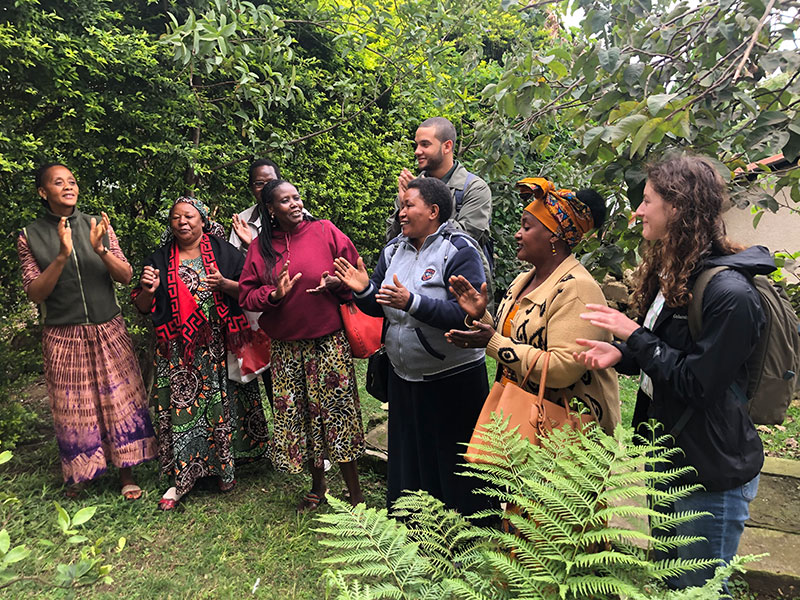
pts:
[434, 191]
[443, 127]
[262, 162]
[42, 171]
[596, 204]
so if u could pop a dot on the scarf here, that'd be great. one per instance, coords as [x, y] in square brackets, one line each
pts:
[558, 210]
[175, 312]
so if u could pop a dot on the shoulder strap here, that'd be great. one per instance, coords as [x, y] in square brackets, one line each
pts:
[696, 303]
[459, 194]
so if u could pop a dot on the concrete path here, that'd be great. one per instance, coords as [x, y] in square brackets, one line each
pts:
[774, 528]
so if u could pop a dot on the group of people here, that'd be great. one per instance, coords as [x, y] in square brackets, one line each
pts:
[284, 275]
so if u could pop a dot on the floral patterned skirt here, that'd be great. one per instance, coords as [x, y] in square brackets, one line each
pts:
[206, 423]
[316, 407]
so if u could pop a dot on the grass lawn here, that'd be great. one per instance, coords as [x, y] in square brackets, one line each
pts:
[212, 546]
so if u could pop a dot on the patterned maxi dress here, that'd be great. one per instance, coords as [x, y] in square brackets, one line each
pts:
[206, 422]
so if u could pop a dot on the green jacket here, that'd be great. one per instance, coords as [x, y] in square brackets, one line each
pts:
[84, 292]
[476, 208]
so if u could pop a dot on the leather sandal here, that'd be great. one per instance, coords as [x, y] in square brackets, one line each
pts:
[131, 491]
[169, 500]
[310, 501]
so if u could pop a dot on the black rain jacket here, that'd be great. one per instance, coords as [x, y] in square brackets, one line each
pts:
[719, 440]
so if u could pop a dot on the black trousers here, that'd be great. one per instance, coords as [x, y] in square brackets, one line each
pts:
[430, 423]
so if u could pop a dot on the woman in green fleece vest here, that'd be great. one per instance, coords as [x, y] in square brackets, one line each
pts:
[69, 264]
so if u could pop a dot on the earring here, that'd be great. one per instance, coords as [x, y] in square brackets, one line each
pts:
[552, 247]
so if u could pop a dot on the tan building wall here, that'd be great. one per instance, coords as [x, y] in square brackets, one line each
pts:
[780, 231]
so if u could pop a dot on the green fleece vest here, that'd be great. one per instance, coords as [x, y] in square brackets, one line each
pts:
[84, 292]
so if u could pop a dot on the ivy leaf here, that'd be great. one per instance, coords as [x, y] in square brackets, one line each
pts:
[83, 515]
[657, 102]
[15, 555]
[5, 456]
[633, 73]
[644, 134]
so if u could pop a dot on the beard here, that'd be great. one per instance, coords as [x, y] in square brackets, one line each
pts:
[434, 162]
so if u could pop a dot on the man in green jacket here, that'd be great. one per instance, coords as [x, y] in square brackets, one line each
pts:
[472, 200]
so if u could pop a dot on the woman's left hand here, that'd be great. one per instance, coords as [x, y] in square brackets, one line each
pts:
[477, 336]
[396, 296]
[327, 282]
[612, 320]
[97, 231]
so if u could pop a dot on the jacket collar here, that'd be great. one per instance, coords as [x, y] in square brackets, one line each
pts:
[541, 293]
[52, 217]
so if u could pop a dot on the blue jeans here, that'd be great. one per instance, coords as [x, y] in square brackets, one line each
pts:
[730, 510]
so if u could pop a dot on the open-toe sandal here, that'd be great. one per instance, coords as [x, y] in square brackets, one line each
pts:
[131, 491]
[310, 501]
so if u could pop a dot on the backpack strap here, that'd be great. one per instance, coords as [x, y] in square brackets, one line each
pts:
[695, 327]
[459, 194]
[696, 303]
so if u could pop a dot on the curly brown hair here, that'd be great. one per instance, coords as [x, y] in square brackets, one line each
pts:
[693, 186]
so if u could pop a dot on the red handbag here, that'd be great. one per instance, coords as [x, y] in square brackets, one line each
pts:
[362, 331]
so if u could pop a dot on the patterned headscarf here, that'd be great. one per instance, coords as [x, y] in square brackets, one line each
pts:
[558, 210]
[209, 226]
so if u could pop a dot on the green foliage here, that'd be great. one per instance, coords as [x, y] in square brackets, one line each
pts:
[581, 498]
[639, 79]
[86, 569]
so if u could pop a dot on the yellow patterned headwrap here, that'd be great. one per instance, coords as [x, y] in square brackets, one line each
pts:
[558, 210]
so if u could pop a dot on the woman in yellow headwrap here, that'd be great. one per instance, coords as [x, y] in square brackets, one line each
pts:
[541, 310]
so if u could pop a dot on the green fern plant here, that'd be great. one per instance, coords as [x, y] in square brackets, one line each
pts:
[582, 502]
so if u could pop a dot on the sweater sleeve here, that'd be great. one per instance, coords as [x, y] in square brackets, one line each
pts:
[30, 268]
[344, 247]
[253, 290]
[366, 299]
[447, 314]
[732, 321]
[564, 325]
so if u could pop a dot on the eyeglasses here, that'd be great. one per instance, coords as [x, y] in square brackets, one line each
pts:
[259, 183]
[526, 193]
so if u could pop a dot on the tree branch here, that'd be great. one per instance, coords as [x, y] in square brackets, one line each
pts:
[753, 39]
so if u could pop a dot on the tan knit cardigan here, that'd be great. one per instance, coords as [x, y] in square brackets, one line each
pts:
[549, 319]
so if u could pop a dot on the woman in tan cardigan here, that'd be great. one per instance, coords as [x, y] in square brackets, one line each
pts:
[541, 310]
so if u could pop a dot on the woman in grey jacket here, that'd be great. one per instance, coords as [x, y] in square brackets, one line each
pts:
[436, 390]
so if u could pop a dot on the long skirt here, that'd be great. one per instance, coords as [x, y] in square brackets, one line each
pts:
[430, 423]
[97, 399]
[316, 407]
[207, 423]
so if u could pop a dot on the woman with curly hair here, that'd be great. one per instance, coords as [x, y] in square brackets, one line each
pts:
[691, 386]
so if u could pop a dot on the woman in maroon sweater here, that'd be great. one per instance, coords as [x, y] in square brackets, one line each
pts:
[287, 277]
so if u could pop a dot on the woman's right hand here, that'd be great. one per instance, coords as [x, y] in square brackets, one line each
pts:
[150, 279]
[357, 279]
[285, 283]
[469, 299]
[65, 237]
[600, 355]
[242, 231]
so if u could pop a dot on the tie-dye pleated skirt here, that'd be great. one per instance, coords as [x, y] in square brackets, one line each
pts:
[97, 399]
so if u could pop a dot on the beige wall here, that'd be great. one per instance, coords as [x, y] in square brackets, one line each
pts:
[780, 231]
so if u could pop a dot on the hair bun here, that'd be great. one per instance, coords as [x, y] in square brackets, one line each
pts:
[596, 204]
